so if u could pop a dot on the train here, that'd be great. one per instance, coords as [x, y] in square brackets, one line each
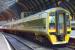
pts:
[52, 24]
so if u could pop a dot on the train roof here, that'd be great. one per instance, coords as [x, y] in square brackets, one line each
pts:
[57, 8]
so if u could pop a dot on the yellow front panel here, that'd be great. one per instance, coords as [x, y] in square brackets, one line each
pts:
[52, 38]
[53, 30]
[68, 29]
[67, 36]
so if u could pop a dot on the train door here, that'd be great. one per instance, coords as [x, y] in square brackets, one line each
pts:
[60, 25]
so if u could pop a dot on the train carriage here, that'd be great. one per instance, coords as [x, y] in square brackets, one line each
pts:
[53, 24]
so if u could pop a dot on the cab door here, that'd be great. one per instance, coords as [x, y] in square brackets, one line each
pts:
[60, 25]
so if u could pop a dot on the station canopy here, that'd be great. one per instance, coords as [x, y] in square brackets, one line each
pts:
[13, 8]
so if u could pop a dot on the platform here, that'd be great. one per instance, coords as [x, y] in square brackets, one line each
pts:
[72, 34]
[4, 45]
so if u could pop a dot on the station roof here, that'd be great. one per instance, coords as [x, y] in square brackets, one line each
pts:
[13, 8]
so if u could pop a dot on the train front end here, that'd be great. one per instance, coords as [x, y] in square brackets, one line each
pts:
[59, 27]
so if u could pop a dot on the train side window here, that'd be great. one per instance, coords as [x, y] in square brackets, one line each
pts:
[44, 15]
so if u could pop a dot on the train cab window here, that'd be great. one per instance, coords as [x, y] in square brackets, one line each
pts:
[52, 21]
[67, 20]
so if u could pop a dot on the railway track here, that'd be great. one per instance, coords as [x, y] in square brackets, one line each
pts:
[22, 44]
[17, 43]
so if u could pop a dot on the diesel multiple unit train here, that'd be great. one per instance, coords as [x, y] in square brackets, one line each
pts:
[53, 24]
